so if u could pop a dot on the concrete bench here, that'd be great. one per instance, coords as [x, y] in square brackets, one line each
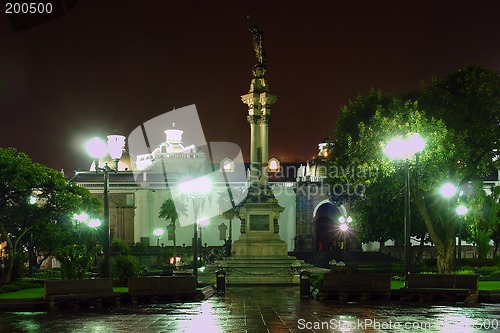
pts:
[355, 286]
[155, 288]
[74, 293]
[441, 287]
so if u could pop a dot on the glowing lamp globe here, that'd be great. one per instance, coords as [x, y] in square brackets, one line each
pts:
[448, 190]
[82, 217]
[399, 148]
[94, 223]
[158, 232]
[462, 210]
[96, 148]
[115, 145]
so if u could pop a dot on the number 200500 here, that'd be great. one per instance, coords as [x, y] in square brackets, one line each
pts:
[28, 8]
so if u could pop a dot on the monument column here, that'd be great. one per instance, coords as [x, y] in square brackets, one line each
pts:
[259, 255]
[260, 211]
[253, 119]
[266, 100]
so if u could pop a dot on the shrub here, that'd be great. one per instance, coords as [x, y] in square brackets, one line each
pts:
[465, 271]
[139, 248]
[16, 286]
[124, 267]
[120, 248]
[75, 261]
[488, 270]
[317, 280]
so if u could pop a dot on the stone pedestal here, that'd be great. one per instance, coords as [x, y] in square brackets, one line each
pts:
[260, 256]
[259, 216]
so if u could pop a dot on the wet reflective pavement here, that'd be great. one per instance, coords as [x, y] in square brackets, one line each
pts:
[261, 309]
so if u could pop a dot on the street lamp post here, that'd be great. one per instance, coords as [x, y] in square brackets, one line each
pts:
[405, 149]
[448, 190]
[461, 211]
[202, 223]
[80, 218]
[344, 228]
[158, 233]
[98, 149]
[196, 189]
[95, 223]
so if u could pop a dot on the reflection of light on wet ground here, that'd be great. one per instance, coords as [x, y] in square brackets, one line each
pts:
[260, 309]
[206, 320]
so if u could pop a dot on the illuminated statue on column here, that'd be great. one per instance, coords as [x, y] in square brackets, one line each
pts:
[258, 44]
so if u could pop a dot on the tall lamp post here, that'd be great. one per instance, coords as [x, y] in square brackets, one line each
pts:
[196, 190]
[158, 233]
[344, 228]
[202, 223]
[98, 149]
[461, 211]
[95, 223]
[399, 148]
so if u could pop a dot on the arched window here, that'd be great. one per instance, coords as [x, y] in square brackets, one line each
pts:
[227, 165]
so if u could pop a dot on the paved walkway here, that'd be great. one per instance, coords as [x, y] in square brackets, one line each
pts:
[260, 309]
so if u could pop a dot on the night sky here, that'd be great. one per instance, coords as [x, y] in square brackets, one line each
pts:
[112, 65]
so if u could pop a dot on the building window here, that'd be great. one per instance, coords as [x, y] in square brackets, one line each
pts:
[129, 200]
[227, 165]
[273, 164]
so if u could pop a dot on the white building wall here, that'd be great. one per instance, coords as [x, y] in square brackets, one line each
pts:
[148, 204]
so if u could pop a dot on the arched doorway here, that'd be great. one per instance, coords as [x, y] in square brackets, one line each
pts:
[326, 227]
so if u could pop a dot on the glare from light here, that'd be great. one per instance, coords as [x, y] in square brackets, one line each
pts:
[448, 190]
[203, 222]
[82, 217]
[158, 232]
[395, 149]
[96, 148]
[94, 223]
[399, 148]
[416, 143]
[344, 227]
[198, 186]
[342, 219]
[461, 210]
[33, 200]
[349, 219]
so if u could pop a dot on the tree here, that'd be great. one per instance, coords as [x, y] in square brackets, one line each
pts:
[468, 101]
[447, 156]
[483, 217]
[33, 194]
[169, 211]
